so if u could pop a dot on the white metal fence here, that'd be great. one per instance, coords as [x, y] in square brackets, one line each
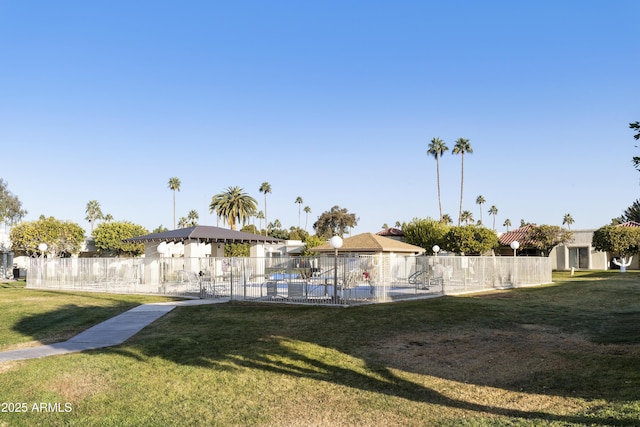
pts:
[342, 280]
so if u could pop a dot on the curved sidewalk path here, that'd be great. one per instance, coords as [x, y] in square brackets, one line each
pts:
[106, 334]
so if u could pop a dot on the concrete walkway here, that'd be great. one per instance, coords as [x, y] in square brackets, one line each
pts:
[106, 334]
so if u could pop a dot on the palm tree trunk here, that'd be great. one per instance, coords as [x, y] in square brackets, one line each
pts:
[438, 171]
[461, 189]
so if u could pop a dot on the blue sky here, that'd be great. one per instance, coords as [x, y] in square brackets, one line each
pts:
[332, 101]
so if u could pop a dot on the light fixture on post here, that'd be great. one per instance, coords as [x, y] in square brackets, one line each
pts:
[42, 247]
[336, 243]
[435, 250]
[514, 245]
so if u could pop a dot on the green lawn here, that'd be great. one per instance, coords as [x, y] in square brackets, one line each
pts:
[558, 355]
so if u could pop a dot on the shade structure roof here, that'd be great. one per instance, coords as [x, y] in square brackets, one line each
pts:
[371, 243]
[206, 234]
[520, 235]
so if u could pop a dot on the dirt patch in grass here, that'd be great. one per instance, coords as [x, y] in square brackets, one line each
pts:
[496, 358]
[74, 386]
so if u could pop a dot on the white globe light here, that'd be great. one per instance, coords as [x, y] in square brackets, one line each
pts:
[436, 248]
[336, 242]
[515, 245]
[162, 248]
[42, 247]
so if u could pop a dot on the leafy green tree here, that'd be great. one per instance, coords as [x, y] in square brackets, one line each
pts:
[10, 206]
[237, 250]
[335, 222]
[493, 210]
[174, 185]
[310, 243]
[265, 188]
[425, 232]
[233, 206]
[94, 212]
[437, 148]
[462, 146]
[61, 237]
[160, 229]
[619, 241]
[470, 240]
[297, 233]
[109, 238]
[249, 228]
[546, 237]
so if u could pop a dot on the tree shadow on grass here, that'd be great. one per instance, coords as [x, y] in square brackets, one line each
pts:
[267, 341]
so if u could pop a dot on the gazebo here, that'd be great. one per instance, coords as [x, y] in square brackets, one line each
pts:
[369, 243]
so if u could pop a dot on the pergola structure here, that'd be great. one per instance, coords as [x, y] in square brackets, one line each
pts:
[197, 238]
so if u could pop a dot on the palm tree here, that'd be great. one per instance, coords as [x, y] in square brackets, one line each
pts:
[446, 219]
[183, 222]
[507, 223]
[462, 146]
[493, 210]
[307, 211]
[233, 205]
[480, 201]
[260, 216]
[192, 218]
[265, 188]
[437, 147]
[174, 185]
[567, 220]
[385, 226]
[467, 217]
[299, 202]
[93, 212]
[108, 218]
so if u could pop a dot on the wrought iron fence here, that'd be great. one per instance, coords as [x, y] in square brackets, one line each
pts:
[342, 280]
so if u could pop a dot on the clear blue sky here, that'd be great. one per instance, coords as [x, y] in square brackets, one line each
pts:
[332, 101]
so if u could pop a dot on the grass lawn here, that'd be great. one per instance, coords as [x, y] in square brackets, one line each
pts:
[558, 355]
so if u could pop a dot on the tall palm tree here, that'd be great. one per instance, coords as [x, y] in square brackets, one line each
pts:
[108, 218]
[493, 210]
[233, 205]
[174, 185]
[260, 216]
[480, 201]
[93, 212]
[299, 202]
[265, 188]
[437, 148]
[307, 211]
[462, 146]
[568, 219]
[467, 217]
[507, 223]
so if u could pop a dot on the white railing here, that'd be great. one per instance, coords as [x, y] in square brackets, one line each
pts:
[342, 280]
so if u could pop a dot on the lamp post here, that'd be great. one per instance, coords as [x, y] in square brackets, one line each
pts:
[515, 245]
[336, 243]
[42, 247]
[435, 250]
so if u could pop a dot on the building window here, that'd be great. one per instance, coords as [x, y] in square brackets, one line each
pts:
[579, 257]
